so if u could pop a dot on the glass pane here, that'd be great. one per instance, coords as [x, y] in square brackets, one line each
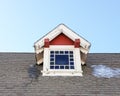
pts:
[61, 60]
[71, 59]
[51, 63]
[71, 52]
[56, 67]
[61, 67]
[56, 52]
[66, 67]
[51, 52]
[71, 67]
[66, 52]
[71, 55]
[51, 59]
[61, 52]
[51, 67]
[71, 63]
[51, 55]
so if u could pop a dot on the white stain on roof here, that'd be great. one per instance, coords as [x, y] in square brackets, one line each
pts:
[105, 71]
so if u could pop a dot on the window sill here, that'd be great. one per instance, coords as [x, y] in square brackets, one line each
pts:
[62, 73]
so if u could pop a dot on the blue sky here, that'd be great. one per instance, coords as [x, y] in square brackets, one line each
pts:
[22, 22]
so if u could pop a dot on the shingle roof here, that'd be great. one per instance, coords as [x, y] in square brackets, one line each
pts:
[15, 80]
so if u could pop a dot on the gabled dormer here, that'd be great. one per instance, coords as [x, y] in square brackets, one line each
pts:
[62, 52]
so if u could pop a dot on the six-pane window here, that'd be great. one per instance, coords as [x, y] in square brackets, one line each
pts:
[61, 60]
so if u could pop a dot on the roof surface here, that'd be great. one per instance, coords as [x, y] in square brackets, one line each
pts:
[15, 80]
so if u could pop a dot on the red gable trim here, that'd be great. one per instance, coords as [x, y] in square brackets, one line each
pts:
[46, 43]
[77, 43]
[62, 40]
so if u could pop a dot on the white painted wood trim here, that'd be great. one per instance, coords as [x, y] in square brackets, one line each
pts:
[62, 72]
[77, 59]
[82, 62]
[62, 47]
[46, 59]
[85, 51]
[39, 50]
[63, 29]
[40, 61]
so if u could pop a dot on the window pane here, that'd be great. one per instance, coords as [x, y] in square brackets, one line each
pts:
[61, 52]
[61, 67]
[51, 55]
[56, 52]
[51, 63]
[71, 52]
[51, 59]
[66, 67]
[71, 67]
[71, 59]
[51, 52]
[71, 63]
[56, 67]
[61, 60]
[66, 52]
[51, 67]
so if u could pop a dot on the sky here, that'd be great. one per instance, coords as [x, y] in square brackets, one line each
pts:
[22, 22]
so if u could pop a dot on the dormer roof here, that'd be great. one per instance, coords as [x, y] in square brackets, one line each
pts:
[62, 28]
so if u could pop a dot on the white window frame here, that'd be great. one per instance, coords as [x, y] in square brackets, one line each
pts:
[77, 71]
[63, 65]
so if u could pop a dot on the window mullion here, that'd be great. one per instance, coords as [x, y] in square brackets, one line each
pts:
[60, 59]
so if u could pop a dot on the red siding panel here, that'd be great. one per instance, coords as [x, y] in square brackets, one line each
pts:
[62, 40]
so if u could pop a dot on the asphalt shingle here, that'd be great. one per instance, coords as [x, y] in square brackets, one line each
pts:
[15, 80]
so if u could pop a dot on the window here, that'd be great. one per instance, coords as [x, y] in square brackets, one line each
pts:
[61, 60]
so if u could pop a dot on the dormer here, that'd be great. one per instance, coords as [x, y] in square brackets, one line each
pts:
[62, 52]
